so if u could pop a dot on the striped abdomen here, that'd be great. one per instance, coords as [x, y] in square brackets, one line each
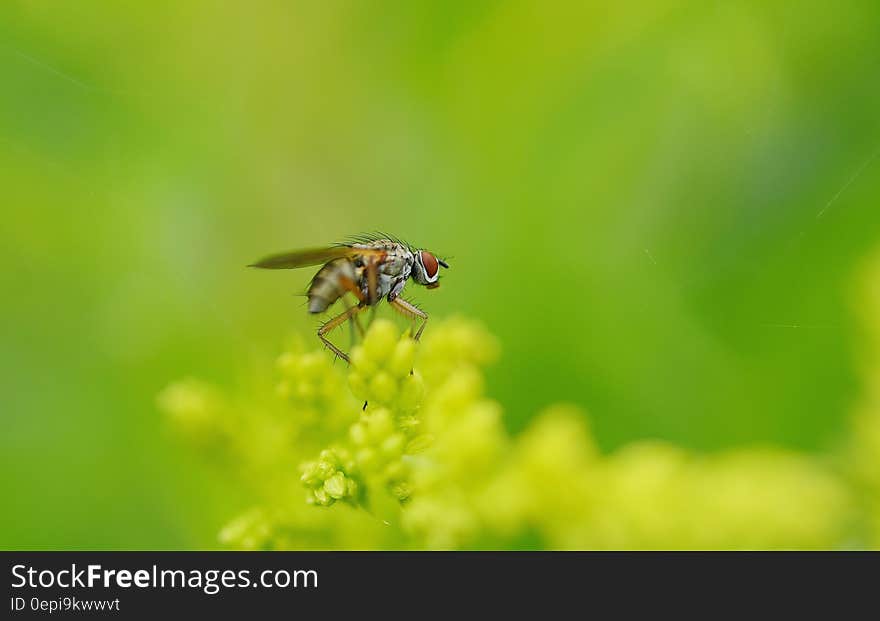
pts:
[329, 284]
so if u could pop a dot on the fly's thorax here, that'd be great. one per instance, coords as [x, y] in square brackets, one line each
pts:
[395, 267]
[398, 263]
[398, 258]
[395, 270]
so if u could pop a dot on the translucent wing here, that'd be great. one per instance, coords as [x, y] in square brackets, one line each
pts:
[312, 256]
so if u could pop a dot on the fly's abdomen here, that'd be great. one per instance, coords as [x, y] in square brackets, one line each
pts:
[328, 285]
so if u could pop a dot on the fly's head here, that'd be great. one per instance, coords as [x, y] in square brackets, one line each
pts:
[426, 269]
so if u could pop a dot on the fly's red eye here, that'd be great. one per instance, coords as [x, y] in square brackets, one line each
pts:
[430, 263]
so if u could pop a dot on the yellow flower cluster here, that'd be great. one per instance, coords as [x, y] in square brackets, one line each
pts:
[330, 478]
[313, 388]
[413, 454]
[549, 487]
[382, 369]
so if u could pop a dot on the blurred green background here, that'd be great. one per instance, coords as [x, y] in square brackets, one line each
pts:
[658, 208]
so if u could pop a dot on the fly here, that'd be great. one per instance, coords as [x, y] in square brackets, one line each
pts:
[371, 268]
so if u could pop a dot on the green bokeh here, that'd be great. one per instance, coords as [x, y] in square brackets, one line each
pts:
[658, 207]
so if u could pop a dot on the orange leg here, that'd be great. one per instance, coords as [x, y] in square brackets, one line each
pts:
[352, 287]
[412, 312]
[341, 318]
[373, 282]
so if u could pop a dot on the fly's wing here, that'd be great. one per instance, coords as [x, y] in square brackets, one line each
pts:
[311, 256]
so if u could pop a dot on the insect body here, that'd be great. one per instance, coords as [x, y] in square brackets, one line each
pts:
[370, 268]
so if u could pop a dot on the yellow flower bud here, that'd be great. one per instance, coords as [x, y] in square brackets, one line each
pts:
[401, 362]
[358, 385]
[380, 340]
[412, 391]
[383, 388]
[335, 486]
[361, 362]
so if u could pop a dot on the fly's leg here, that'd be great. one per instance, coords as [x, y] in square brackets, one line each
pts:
[349, 285]
[356, 323]
[372, 272]
[355, 320]
[340, 319]
[410, 311]
[372, 282]
[357, 330]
